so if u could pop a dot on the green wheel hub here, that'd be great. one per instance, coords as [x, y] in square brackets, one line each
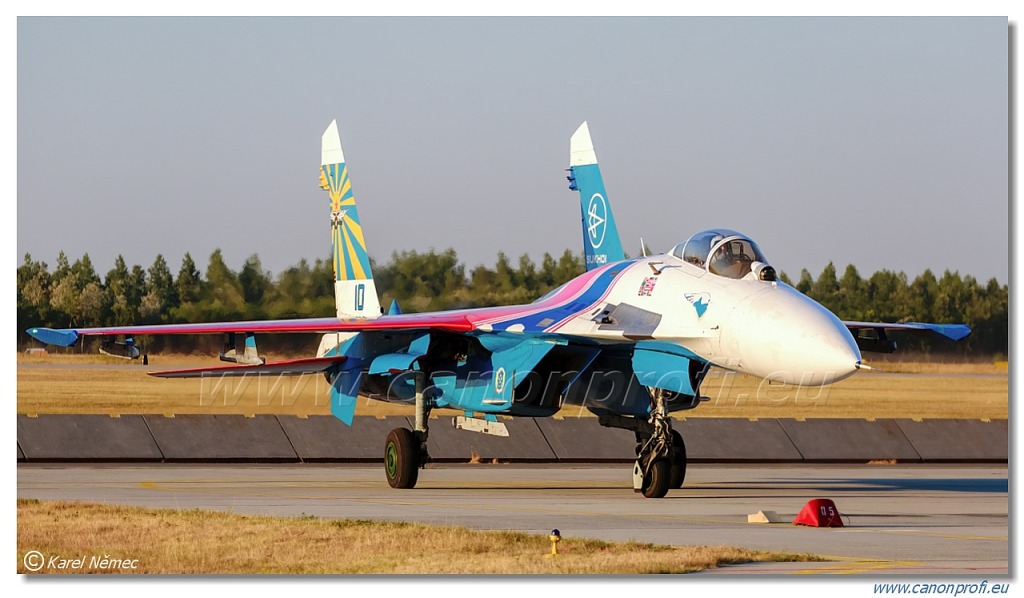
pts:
[391, 460]
[402, 458]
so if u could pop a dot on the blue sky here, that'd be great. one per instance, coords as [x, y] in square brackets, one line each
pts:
[880, 142]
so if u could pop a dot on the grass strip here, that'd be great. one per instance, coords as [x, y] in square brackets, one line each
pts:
[199, 542]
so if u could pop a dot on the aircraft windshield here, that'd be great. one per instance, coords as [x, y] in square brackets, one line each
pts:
[731, 253]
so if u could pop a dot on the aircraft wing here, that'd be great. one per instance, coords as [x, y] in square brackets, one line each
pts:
[952, 331]
[441, 321]
[871, 336]
[544, 316]
[290, 367]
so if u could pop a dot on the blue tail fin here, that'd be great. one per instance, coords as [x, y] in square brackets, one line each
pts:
[601, 243]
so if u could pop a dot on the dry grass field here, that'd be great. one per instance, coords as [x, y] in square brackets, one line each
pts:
[71, 383]
[206, 542]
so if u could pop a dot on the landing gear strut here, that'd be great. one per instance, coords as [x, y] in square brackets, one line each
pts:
[660, 455]
[405, 450]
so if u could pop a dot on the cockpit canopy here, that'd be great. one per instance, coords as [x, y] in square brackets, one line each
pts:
[721, 251]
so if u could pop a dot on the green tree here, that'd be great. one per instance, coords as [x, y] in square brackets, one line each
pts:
[189, 283]
[548, 274]
[504, 277]
[257, 286]
[570, 265]
[806, 282]
[222, 296]
[826, 288]
[123, 289]
[161, 295]
[62, 269]
[923, 292]
[850, 295]
[526, 275]
[33, 300]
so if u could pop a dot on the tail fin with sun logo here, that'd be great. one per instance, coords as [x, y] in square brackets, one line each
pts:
[355, 294]
[601, 243]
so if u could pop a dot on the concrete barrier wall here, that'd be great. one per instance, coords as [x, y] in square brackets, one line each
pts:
[86, 437]
[524, 442]
[823, 440]
[583, 439]
[325, 438]
[221, 438]
[958, 440]
[732, 439]
[270, 438]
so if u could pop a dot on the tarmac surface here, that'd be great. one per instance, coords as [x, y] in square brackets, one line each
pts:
[929, 520]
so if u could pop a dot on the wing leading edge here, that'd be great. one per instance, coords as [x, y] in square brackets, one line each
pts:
[451, 322]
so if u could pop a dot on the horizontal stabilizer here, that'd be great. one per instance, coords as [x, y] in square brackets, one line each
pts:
[293, 367]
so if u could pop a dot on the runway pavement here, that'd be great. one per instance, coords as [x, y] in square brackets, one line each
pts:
[920, 519]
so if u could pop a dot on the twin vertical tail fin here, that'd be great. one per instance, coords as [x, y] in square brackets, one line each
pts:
[355, 294]
[601, 243]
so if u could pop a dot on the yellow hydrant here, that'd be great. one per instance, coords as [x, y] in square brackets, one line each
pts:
[555, 538]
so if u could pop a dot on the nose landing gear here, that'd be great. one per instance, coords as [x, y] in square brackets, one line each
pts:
[661, 455]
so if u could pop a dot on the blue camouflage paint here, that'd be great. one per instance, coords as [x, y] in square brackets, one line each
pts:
[492, 378]
[344, 394]
[601, 244]
[60, 338]
[952, 331]
[662, 370]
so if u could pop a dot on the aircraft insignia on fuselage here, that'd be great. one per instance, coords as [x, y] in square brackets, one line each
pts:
[700, 302]
[647, 286]
[499, 381]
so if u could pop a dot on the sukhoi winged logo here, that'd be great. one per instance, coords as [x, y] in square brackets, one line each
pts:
[700, 302]
[597, 218]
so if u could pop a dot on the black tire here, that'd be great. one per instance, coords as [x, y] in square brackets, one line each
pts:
[677, 471]
[656, 481]
[402, 458]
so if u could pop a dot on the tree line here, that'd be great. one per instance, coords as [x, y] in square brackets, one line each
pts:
[74, 295]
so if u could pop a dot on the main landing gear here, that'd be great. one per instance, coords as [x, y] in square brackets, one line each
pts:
[405, 450]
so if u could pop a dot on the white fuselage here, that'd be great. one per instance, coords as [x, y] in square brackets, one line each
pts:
[766, 329]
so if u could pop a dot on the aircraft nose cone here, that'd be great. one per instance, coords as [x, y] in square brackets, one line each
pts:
[835, 357]
[787, 337]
